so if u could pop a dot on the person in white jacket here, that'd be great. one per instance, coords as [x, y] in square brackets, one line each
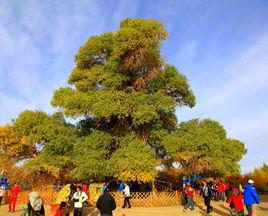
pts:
[127, 196]
[79, 197]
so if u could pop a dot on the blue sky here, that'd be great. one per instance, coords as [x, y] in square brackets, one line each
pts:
[221, 46]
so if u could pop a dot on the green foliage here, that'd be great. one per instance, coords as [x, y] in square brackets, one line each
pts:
[123, 98]
[202, 147]
[120, 78]
[49, 139]
[91, 155]
[121, 83]
[133, 160]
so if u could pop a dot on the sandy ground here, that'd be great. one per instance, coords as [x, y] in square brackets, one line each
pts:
[220, 209]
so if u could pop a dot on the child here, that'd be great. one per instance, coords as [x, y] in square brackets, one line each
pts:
[236, 199]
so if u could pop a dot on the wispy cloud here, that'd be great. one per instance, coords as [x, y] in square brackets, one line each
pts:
[247, 74]
[38, 40]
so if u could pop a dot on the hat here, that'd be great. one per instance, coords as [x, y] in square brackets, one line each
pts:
[250, 181]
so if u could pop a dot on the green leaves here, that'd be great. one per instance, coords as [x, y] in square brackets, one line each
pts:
[91, 155]
[122, 98]
[121, 76]
[133, 160]
[202, 147]
[122, 84]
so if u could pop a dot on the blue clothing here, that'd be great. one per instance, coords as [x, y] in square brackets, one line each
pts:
[189, 203]
[191, 179]
[104, 189]
[121, 186]
[250, 195]
[4, 182]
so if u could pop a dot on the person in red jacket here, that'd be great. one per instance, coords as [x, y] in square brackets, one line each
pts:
[237, 199]
[221, 190]
[13, 195]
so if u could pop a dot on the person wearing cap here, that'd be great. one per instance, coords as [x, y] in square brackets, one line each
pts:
[13, 195]
[250, 196]
[35, 205]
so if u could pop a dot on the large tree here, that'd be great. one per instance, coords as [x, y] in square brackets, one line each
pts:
[124, 96]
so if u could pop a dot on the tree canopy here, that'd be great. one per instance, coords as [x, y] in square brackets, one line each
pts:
[121, 86]
[122, 96]
[201, 146]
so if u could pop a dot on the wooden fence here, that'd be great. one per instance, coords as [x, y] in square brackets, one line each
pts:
[139, 199]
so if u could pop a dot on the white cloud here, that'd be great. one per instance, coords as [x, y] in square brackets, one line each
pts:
[247, 75]
[38, 41]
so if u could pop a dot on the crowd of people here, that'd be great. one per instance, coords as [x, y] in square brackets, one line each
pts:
[236, 196]
[78, 197]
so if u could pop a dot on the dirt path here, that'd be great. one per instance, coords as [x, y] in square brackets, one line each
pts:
[220, 209]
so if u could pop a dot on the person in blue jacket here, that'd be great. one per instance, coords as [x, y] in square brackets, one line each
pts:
[4, 180]
[250, 196]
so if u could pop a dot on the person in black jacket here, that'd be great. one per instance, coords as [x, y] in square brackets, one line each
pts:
[207, 194]
[106, 203]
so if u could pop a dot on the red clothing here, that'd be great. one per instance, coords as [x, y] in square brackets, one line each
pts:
[237, 199]
[12, 203]
[59, 212]
[221, 188]
[15, 190]
[85, 188]
[226, 185]
[189, 191]
[13, 194]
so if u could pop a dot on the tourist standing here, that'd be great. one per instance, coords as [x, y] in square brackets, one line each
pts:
[35, 205]
[207, 193]
[189, 191]
[79, 197]
[13, 195]
[106, 203]
[221, 190]
[214, 189]
[250, 196]
[127, 196]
